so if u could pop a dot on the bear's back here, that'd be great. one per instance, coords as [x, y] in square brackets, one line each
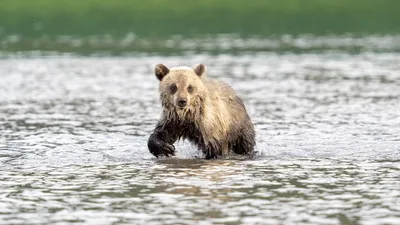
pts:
[218, 89]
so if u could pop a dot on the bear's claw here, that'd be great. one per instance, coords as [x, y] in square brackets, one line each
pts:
[168, 150]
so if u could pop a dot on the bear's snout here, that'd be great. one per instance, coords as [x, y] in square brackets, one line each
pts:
[182, 102]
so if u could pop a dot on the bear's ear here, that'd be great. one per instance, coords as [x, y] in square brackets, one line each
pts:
[200, 69]
[161, 71]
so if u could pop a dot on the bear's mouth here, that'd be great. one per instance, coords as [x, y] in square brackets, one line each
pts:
[179, 108]
[182, 111]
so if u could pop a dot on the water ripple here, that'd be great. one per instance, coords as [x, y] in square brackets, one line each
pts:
[73, 134]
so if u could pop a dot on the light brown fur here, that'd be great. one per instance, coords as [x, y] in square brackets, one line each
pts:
[213, 110]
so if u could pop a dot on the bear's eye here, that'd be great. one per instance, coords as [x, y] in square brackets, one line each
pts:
[190, 89]
[173, 88]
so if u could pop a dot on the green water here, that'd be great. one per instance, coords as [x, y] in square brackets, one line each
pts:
[70, 26]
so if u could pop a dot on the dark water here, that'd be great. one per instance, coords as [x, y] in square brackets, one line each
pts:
[73, 134]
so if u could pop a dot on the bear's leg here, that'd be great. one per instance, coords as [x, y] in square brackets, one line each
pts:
[225, 149]
[160, 142]
[158, 147]
[214, 150]
[244, 145]
[211, 156]
[209, 152]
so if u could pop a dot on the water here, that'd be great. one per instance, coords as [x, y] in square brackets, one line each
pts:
[73, 134]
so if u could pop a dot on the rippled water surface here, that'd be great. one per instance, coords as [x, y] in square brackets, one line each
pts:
[73, 134]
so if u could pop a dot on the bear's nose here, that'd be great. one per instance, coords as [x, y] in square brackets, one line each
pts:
[182, 102]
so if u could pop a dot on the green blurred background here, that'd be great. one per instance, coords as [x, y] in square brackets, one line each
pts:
[92, 25]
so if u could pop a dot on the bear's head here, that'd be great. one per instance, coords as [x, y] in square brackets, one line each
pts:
[181, 88]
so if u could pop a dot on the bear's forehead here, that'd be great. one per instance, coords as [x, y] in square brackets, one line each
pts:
[180, 76]
[181, 72]
[181, 69]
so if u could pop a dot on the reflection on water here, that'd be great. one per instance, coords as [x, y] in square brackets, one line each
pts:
[73, 134]
[191, 191]
[227, 43]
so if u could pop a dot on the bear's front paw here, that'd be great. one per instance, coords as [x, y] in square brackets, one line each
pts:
[158, 147]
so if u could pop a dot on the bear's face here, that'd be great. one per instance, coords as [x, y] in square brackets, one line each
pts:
[180, 87]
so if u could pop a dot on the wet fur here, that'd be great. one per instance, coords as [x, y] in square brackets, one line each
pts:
[215, 120]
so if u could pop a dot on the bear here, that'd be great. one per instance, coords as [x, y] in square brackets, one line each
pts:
[205, 111]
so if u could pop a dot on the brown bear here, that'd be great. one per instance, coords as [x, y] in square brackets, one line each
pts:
[205, 111]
